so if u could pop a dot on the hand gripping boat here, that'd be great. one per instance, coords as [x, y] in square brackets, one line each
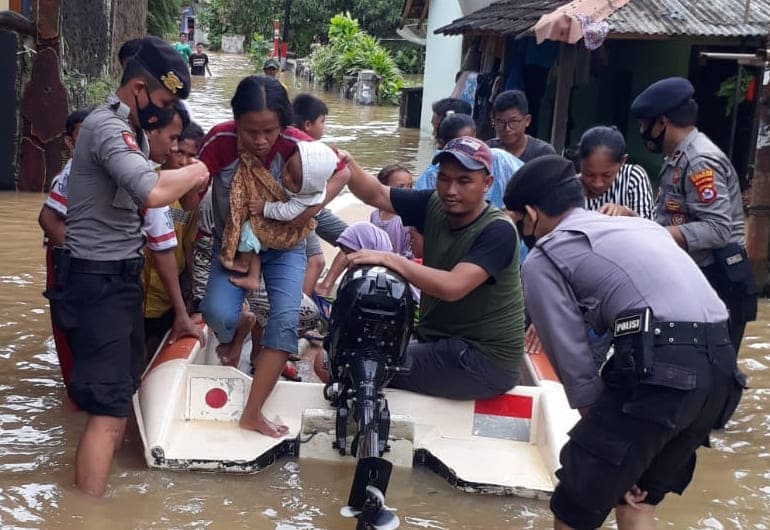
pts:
[188, 407]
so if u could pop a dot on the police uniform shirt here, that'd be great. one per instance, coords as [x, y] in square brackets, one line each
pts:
[607, 266]
[111, 179]
[699, 192]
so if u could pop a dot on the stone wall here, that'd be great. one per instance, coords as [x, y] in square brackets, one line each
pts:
[86, 28]
[94, 30]
[129, 21]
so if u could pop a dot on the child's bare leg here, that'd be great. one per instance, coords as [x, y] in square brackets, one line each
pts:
[251, 280]
[240, 263]
[226, 263]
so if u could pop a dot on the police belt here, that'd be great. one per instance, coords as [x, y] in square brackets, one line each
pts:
[691, 333]
[128, 267]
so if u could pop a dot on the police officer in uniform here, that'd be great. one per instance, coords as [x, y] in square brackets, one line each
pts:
[699, 201]
[97, 297]
[673, 375]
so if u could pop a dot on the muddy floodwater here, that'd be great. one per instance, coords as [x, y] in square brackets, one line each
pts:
[39, 432]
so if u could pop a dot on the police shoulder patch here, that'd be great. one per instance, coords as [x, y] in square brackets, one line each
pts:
[130, 140]
[703, 181]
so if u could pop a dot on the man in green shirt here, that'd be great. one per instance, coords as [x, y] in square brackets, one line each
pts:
[183, 48]
[470, 336]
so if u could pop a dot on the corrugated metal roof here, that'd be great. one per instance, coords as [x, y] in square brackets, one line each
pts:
[701, 18]
[507, 18]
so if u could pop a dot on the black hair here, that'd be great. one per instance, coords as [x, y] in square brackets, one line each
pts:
[129, 49]
[685, 115]
[134, 69]
[562, 197]
[74, 119]
[511, 99]
[258, 92]
[385, 173]
[307, 107]
[548, 183]
[450, 127]
[199, 44]
[609, 138]
[193, 132]
[457, 106]
[180, 109]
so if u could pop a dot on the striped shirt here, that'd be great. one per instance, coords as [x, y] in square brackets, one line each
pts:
[631, 189]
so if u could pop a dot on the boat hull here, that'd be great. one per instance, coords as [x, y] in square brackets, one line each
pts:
[188, 407]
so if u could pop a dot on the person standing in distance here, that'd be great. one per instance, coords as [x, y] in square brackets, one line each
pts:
[673, 375]
[97, 293]
[699, 201]
[199, 62]
[183, 48]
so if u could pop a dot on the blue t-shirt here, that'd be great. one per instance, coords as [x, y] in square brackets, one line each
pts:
[504, 165]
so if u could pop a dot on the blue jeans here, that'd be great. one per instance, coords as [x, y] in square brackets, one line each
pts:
[282, 273]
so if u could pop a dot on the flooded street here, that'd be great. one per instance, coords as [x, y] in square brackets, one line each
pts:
[39, 432]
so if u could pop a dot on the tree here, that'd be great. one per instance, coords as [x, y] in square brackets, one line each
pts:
[163, 17]
[351, 50]
[240, 17]
[308, 19]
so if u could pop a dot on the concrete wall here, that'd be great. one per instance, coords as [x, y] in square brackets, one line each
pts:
[93, 31]
[4, 5]
[443, 56]
[233, 43]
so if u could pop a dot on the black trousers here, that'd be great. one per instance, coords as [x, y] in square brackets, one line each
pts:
[453, 369]
[645, 432]
[101, 315]
[740, 299]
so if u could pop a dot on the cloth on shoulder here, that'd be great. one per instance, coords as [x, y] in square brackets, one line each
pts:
[363, 235]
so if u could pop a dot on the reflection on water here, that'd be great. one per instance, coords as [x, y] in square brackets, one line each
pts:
[39, 432]
[371, 133]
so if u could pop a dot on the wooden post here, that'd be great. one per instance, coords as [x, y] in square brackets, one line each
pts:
[565, 82]
[758, 229]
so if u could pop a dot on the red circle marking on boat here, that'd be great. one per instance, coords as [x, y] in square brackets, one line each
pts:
[216, 398]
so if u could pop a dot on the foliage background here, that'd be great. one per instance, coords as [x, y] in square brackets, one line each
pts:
[308, 20]
[350, 50]
[163, 17]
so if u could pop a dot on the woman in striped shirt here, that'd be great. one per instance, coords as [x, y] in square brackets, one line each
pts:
[612, 186]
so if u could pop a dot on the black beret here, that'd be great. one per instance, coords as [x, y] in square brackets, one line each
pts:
[662, 97]
[535, 180]
[166, 65]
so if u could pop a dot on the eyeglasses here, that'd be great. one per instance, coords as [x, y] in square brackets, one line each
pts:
[510, 124]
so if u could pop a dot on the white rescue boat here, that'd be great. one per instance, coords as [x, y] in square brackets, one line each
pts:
[188, 407]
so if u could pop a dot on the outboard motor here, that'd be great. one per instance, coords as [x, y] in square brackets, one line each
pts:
[369, 329]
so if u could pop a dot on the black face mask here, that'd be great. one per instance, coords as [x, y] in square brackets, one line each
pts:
[653, 145]
[529, 240]
[162, 116]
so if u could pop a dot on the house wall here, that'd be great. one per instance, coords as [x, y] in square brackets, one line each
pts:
[442, 59]
[621, 70]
